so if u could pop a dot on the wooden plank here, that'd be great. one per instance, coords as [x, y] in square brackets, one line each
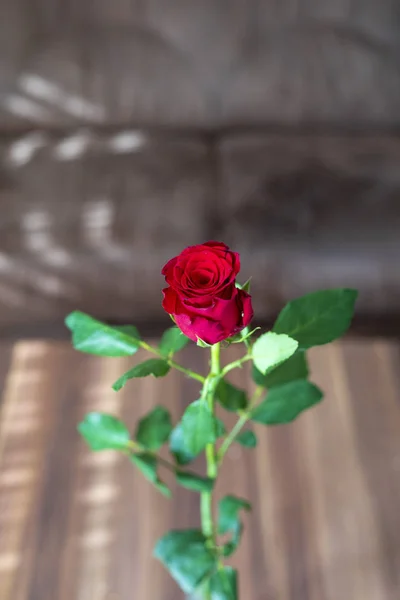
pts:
[28, 417]
[5, 358]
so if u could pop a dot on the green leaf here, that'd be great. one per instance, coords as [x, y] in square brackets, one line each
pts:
[242, 336]
[293, 368]
[104, 432]
[154, 429]
[220, 427]
[147, 464]
[245, 286]
[185, 554]
[203, 344]
[223, 584]
[177, 445]
[94, 337]
[228, 512]
[231, 397]
[153, 366]
[247, 438]
[198, 427]
[271, 349]
[317, 318]
[178, 448]
[130, 330]
[285, 402]
[228, 520]
[172, 341]
[194, 482]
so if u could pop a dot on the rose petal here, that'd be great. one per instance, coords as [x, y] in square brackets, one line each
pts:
[209, 331]
[224, 312]
[184, 322]
[214, 244]
[170, 300]
[202, 293]
[168, 268]
[199, 303]
[201, 278]
[213, 319]
[245, 307]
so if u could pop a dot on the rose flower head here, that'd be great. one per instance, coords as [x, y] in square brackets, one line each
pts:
[202, 296]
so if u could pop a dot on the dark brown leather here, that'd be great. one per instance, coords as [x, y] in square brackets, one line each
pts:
[314, 211]
[305, 212]
[95, 233]
[201, 63]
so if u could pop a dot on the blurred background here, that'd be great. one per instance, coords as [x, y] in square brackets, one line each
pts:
[129, 130]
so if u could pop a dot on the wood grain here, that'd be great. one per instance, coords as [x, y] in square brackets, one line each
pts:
[325, 490]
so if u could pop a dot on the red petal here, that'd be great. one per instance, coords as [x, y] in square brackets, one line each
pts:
[245, 307]
[214, 244]
[209, 331]
[170, 300]
[168, 268]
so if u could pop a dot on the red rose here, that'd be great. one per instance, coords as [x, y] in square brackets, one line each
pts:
[202, 296]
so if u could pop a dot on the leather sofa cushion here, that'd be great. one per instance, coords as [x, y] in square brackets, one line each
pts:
[200, 63]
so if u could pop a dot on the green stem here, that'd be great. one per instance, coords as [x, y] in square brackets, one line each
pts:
[207, 522]
[235, 364]
[239, 424]
[187, 372]
[231, 437]
[172, 363]
[135, 447]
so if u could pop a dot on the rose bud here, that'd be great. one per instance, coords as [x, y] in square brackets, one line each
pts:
[202, 296]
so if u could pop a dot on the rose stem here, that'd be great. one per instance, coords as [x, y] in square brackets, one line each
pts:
[171, 362]
[207, 522]
[239, 424]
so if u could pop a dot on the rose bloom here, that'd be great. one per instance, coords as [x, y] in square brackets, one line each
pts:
[202, 296]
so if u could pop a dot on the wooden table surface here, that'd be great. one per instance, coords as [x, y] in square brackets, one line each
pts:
[80, 526]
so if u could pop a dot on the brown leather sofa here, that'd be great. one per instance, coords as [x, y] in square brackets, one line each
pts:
[132, 129]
